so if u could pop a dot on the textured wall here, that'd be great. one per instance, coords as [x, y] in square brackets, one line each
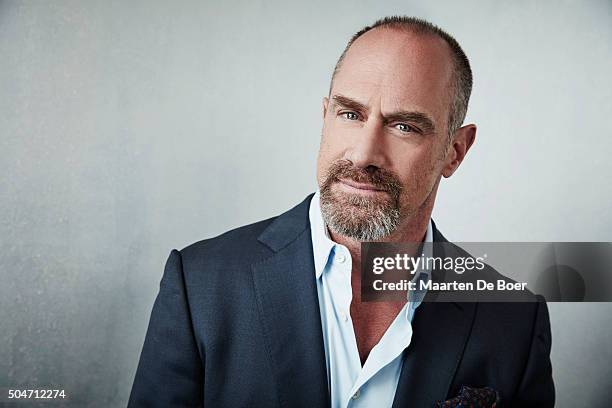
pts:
[131, 128]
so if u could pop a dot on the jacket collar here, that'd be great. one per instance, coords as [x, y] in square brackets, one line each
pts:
[287, 227]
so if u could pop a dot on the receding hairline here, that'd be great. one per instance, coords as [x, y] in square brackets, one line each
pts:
[417, 31]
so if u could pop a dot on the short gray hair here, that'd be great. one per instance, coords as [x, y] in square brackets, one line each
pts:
[462, 77]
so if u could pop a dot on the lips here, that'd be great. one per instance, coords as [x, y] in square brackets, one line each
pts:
[361, 186]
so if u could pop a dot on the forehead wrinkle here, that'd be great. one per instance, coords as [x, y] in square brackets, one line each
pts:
[380, 86]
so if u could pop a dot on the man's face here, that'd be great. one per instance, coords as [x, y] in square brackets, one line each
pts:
[385, 137]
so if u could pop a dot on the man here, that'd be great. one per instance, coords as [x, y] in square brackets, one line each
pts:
[270, 314]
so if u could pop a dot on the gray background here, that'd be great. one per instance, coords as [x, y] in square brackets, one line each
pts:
[131, 128]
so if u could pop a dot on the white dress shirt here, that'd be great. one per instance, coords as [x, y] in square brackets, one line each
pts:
[350, 384]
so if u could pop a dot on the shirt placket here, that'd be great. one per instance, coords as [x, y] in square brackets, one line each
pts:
[342, 280]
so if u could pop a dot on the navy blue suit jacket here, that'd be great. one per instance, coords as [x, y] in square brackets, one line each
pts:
[236, 323]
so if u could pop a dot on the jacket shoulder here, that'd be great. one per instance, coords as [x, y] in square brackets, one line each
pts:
[251, 242]
[238, 242]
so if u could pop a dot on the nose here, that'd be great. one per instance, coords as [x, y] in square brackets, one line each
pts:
[367, 149]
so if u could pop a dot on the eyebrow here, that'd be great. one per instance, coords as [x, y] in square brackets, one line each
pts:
[346, 102]
[422, 120]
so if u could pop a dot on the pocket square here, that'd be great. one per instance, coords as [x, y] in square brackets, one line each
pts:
[485, 397]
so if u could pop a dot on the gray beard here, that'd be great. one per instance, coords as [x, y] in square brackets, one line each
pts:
[359, 218]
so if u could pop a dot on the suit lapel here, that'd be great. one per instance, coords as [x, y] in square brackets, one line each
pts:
[288, 303]
[440, 333]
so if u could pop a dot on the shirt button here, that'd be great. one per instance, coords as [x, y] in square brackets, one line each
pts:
[341, 258]
[356, 394]
[344, 316]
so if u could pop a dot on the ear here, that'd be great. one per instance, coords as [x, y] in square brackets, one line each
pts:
[462, 140]
[325, 105]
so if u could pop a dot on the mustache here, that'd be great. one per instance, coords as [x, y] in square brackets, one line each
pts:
[379, 178]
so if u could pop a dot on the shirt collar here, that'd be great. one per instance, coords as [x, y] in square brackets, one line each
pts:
[322, 244]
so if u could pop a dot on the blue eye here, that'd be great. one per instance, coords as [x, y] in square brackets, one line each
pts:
[350, 115]
[404, 128]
